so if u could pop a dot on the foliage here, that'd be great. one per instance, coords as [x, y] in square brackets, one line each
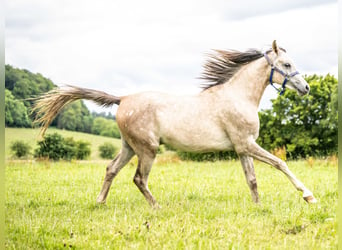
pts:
[22, 86]
[75, 117]
[55, 147]
[83, 150]
[212, 156]
[105, 127]
[306, 126]
[20, 148]
[107, 150]
[108, 115]
[15, 112]
[51, 147]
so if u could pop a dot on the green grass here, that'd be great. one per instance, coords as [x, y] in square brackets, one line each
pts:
[204, 206]
[31, 136]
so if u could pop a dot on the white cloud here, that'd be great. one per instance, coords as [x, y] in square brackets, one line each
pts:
[131, 46]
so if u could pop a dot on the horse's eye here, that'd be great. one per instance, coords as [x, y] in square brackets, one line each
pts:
[287, 65]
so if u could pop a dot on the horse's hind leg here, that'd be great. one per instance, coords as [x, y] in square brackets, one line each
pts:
[248, 169]
[113, 169]
[141, 176]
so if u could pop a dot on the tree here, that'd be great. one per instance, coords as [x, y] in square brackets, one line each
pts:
[75, 117]
[307, 125]
[15, 112]
[21, 85]
[105, 127]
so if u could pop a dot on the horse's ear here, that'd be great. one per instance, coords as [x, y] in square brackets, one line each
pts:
[275, 47]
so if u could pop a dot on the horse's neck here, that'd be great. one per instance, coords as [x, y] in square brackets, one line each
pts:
[250, 82]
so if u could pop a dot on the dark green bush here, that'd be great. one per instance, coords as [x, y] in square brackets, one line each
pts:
[83, 150]
[212, 156]
[69, 149]
[20, 149]
[107, 150]
[51, 147]
[55, 147]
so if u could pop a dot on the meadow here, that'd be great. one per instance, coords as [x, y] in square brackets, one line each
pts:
[207, 205]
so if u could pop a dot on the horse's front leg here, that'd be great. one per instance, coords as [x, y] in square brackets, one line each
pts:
[257, 152]
[248, 169]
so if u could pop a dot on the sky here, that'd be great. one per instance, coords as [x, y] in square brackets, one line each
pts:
[125, 47]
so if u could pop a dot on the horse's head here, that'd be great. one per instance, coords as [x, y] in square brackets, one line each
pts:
[283, 71]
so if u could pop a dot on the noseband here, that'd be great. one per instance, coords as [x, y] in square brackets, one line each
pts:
[286, 76]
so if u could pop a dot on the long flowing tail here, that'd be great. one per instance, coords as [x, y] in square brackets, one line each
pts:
[50, 104]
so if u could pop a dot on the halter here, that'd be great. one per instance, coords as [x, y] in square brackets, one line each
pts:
[286, 76]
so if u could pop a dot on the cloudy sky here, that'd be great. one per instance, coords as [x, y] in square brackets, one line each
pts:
[123, 47]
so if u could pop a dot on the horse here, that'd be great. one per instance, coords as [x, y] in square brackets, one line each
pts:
[222, 117]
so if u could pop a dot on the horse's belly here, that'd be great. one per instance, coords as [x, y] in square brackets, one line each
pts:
[197, 140]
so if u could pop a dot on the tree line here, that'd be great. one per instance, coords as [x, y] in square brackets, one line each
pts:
[303, 126]
[21, 85]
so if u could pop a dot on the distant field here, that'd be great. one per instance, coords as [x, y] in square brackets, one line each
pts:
[31, 136]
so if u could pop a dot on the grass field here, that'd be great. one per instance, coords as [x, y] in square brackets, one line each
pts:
[204, 206]
[31, 136]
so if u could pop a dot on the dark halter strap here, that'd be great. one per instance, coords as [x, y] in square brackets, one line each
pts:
[286, 76]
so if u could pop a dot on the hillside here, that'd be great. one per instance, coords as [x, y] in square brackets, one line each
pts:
[23, 85]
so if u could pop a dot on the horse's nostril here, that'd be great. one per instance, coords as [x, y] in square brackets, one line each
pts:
[307, 87]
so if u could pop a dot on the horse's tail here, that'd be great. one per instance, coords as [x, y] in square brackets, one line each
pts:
[50, 104]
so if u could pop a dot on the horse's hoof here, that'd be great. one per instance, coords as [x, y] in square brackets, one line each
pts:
[156, 207]
[99, 201]
[310, 199]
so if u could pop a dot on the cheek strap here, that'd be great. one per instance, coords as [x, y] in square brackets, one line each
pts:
[286, 76]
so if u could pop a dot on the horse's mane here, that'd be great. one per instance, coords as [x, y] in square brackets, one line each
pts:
[223, 64]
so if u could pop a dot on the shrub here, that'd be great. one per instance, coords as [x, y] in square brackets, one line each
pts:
[51, 147]
[55, 147]
[69, 149]
[20, 149]
[107, 150]
[83, 150]
[212, 156]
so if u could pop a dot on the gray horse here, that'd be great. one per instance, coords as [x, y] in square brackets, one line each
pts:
[223, 117]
